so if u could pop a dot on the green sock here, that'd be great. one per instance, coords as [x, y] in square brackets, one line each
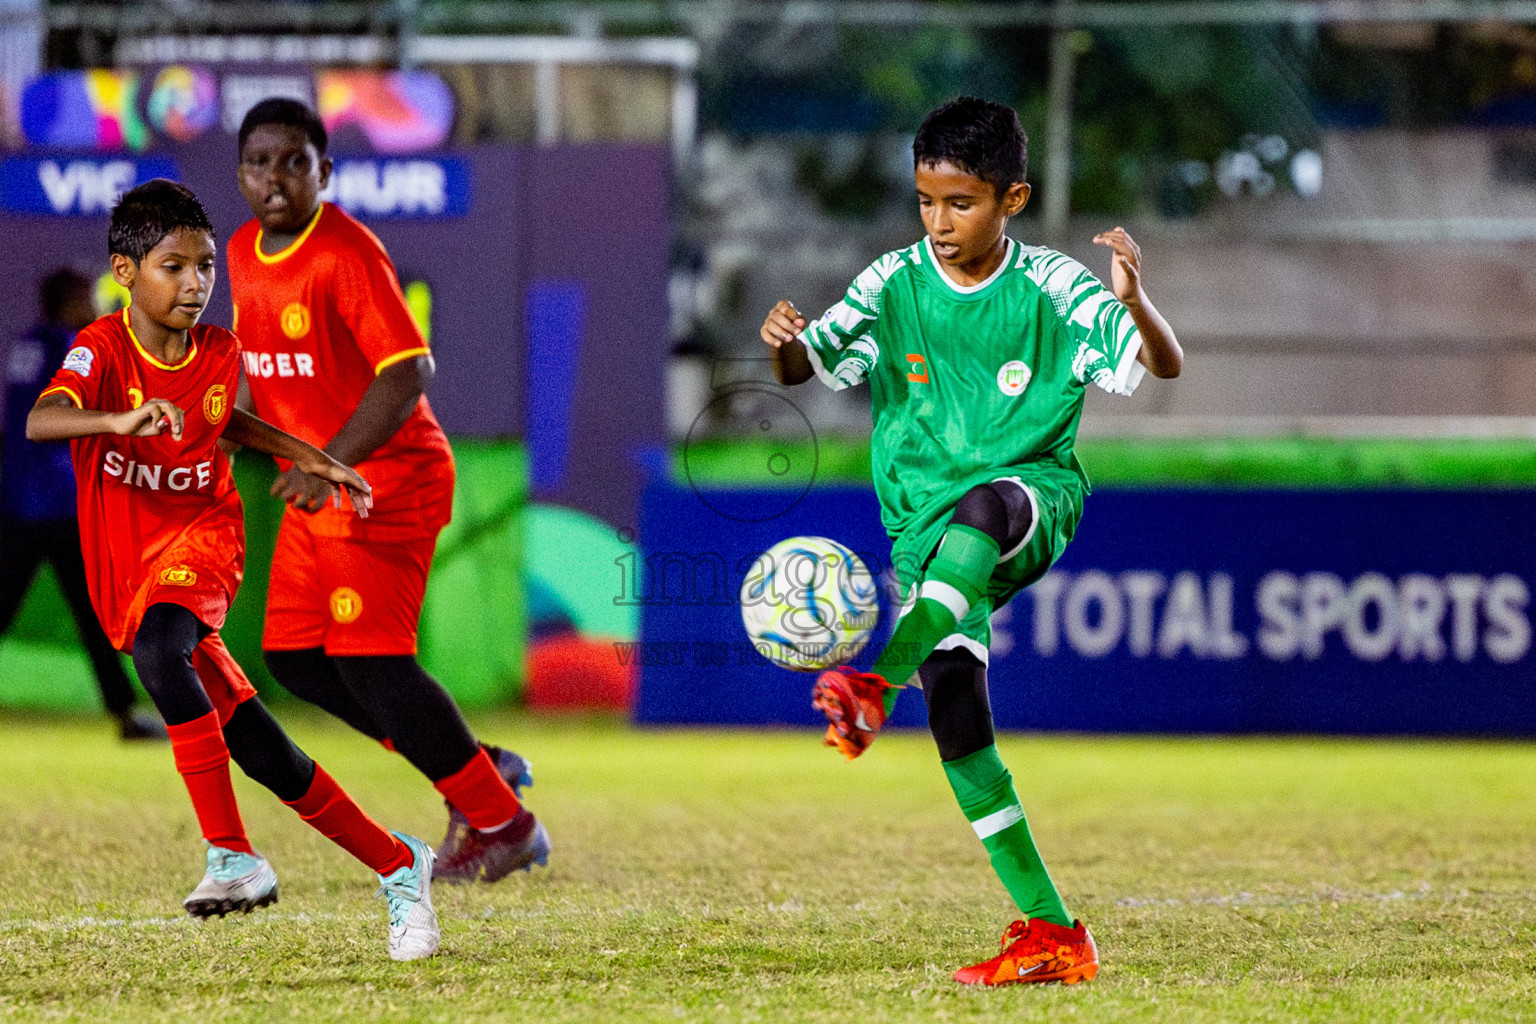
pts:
[956, 579]
[985, 792]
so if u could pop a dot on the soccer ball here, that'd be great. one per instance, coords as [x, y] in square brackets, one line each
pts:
[809, 603]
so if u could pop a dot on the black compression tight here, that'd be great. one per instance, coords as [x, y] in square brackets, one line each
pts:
[311, 675]
[383, 696]
[265, 753]
[959, 708]
[162, 655]
[1000, 509]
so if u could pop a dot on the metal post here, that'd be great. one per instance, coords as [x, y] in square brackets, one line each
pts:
[685, 116]
[406, 12]
[546, 102]
[1058, 125]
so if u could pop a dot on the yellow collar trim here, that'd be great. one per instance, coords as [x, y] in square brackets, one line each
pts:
[292, 246]
[151, 360]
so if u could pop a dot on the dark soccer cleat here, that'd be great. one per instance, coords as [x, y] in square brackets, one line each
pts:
[234, 882]
[518, 773]
[140, 725]
[854, 703]
[492, 856]
[452, 856]
[1037, 952]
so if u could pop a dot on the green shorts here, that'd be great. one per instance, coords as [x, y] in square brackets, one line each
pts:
[1056, 498]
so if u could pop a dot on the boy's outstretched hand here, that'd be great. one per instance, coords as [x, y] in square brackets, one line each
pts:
[1160, 351]
[1125, 273]
[344, 478]
[784, 323]
[151, 419]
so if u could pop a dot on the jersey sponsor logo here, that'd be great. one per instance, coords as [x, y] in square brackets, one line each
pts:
[79, 360]
[157, 477]
[278, 364]
[346, 605]
[917, 368]
[1013, 377]
[178, 576]
[295, 320]
[215, 403]
[135, 398]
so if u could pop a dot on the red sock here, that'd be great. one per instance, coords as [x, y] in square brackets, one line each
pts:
[480, 792]
[203, 761]
[332, 813]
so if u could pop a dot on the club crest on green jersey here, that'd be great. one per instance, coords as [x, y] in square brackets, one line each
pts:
[1013, 377]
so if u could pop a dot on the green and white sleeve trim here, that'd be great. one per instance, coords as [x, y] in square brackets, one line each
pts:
[1105, 332]
[841, 342]
[852, 366]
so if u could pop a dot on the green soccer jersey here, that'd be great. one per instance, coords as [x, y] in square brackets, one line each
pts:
[968, 382]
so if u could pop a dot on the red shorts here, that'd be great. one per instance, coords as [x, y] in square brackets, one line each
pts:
[187, 577]
[353, 595]
[222, 678]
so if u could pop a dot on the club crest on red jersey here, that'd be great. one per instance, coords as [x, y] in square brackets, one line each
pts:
[346, 605]
[178, 576]
[295, 320]
[215, 403]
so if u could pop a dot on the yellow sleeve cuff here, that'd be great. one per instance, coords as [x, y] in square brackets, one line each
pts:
[60, 389]
[399, 357]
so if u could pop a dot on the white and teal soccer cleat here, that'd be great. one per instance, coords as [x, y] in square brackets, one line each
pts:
[413, 931]
[234, 881]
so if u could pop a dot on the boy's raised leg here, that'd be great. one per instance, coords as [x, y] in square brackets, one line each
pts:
[857, 703]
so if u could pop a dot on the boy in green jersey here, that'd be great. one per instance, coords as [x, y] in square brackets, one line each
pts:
[978, 351]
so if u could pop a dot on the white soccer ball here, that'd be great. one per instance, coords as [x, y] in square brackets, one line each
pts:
[809, 603]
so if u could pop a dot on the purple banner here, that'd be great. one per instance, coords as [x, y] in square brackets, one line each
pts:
[471, 232]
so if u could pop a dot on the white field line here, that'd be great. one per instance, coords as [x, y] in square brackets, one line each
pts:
[89, 923]
[1248, 899]
[1237, 899]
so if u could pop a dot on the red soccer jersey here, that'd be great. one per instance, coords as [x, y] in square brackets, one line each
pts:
[160, 519]
[318, 321]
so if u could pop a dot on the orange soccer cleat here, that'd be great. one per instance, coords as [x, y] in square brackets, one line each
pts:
[1035, 952]
[854, 703]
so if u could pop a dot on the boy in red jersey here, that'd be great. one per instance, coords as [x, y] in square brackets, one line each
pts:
[144, 397]
[333, 356]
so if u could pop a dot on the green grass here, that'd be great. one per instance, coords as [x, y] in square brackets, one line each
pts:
[1286, 462]
[724, 876]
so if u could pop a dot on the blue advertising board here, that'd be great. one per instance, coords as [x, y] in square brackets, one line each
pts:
[75, 186]
[415, 188]
[1171, 611]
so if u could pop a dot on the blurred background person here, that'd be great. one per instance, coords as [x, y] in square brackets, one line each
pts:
[37, 496]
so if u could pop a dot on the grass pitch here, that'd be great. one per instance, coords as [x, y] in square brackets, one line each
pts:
[723, 876]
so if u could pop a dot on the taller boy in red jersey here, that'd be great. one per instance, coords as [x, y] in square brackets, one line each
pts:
[332, 354]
